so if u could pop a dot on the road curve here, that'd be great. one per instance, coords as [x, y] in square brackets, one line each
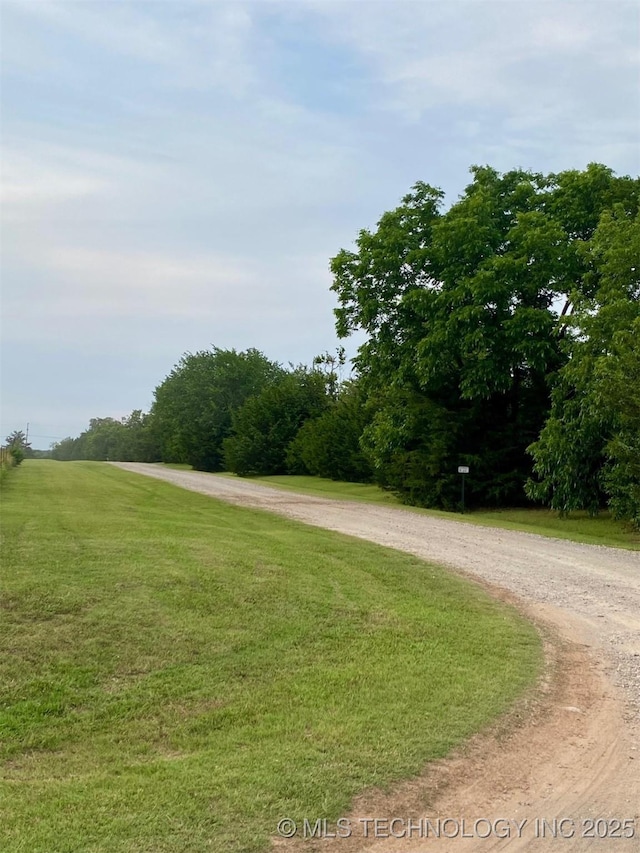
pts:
[590, 594]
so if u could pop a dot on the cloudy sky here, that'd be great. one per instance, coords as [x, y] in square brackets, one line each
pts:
[176, 175]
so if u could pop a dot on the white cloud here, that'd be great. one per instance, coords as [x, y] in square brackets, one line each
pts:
[466, 53]
[39, 178]
[88, 289]
[117, 26]
[197, 45]
[27, 183]
[106, 283]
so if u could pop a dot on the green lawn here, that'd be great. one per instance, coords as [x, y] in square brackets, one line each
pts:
[177, 674]
[578, 526]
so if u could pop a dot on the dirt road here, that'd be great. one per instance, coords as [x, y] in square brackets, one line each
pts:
[568, 764]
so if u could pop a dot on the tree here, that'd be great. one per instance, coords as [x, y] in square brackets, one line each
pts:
[194, 405]
[329, 445]
[65, 449]
[131, 439]
[266, 425]
[137, 440]
[589, 449]
[465, 313]
[617, 383]
[18, 446]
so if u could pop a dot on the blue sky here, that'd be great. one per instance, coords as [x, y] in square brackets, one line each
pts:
[176, 175]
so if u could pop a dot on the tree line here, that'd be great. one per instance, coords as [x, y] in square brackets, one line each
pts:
[222, 410]
[501, 334]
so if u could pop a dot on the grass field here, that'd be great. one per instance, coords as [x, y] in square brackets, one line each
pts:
[178, 674]
[578, 526]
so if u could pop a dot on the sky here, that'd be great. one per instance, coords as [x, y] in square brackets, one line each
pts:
[177, 175]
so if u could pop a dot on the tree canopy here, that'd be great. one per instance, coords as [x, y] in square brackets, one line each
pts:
[194, 405]
[466, 313]
[589, 448]
[130, 439]
[266, 425]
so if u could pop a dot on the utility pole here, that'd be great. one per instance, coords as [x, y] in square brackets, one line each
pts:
[26, 441]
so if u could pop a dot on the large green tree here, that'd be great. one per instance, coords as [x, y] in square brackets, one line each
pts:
[194, 405]
[589, 449]
[464, 313]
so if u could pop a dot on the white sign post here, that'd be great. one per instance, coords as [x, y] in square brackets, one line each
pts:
[463, 469]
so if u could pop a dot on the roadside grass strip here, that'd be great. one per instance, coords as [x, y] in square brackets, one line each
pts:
[179, 674]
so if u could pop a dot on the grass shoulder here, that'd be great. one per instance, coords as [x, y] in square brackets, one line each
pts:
[178, 673]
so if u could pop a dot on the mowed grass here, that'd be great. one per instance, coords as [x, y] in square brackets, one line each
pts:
[577, 526]
[179, 674]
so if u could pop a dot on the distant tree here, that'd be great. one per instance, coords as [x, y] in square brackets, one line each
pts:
[131, 439]
[65, 449]
[18, 446]
[142, 443]
[41, 454]
[329, 445]
[194, 405]
[17, 438]
[266, 425]
[104, 439]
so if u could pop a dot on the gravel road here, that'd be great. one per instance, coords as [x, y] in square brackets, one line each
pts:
[589, 594]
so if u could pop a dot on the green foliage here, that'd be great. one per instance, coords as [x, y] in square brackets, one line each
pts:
[617, 388]
[589, 449]
[329, 445]
[466, 313]
[40, 454]
[65, 449]
[18, 446]
[266, 425]
[131, 439]
[569, 455]
[17, 454]
[194, 405]
[409, 443]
